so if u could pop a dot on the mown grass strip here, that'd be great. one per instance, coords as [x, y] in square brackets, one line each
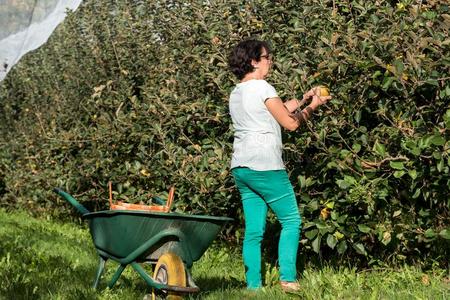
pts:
[42, 259]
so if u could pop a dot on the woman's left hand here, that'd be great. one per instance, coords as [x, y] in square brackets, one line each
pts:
[309, 94]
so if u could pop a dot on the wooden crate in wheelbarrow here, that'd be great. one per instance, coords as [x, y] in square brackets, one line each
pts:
[171, 241]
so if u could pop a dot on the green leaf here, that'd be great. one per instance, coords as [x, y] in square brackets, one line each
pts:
[398, 165]
[343, 184]
[411, 146]
[445, 233]
[398, 174]
[308, 225]
[316, 244]
[397, 213]
[429, 233]
[379, 148]
[447, 118]
[386, 238]
[399, 67]
[424, 213]
[416, 193]
[447, 112]
[364, 228]
[437, 155]
[432, 82]
[425, 142]
[356, 147]
[360, 249]
[330, 205]
[447, 88]
[342, 247]
[350, 179]
[338, 235]
[415, 151]
[357, 116]
[321, 225]
[313, 205]
[346, 182]
[309, 181]
[302, 181]
[334, 215]
[440, 165]
[305, 182]
[331, 241]
[311, 234]
[137, 165]
[438, 140]
[412, 174]
[344, 153]
[387, 82]
[332, 165]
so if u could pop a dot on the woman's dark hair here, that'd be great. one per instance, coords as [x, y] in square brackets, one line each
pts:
[240, 60]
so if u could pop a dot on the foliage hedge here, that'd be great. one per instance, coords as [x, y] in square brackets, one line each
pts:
[136, 92]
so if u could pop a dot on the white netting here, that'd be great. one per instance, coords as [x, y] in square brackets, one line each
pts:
[26, 24]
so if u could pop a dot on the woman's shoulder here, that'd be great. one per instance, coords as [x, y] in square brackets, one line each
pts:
[262, 82]
[255, 82]
[265, 87]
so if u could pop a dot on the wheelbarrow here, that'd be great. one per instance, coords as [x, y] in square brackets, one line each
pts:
[171, 241]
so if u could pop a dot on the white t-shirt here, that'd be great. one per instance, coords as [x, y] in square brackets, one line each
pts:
[257, 137]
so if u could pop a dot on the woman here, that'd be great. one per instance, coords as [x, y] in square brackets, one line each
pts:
[257, 166]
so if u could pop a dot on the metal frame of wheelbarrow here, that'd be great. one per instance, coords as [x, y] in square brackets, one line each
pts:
[136, 255]
[132, 258]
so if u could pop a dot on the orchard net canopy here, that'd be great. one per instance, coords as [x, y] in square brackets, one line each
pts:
[26, 24]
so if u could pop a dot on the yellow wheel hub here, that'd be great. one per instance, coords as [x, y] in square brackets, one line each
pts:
[170, 270]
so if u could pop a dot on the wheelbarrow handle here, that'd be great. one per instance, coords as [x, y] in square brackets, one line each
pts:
[81, 209]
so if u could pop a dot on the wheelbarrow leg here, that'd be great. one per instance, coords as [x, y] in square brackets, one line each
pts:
[116, 275]
[101, 267]
[145, 276]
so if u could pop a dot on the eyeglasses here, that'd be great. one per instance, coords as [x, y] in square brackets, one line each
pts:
[267, 56]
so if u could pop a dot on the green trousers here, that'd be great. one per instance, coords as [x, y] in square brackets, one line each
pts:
[259, 191]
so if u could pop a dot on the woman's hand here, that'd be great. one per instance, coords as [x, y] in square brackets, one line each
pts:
[317, 99]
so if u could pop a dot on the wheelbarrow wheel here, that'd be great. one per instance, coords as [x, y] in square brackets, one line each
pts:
[170, 270]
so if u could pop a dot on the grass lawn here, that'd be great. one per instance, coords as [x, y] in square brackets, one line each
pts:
[41, 259]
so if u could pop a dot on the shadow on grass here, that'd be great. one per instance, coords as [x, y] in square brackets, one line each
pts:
[207, 285]
[211, 284]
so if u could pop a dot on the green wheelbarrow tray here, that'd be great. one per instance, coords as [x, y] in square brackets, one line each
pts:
[130, 237]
